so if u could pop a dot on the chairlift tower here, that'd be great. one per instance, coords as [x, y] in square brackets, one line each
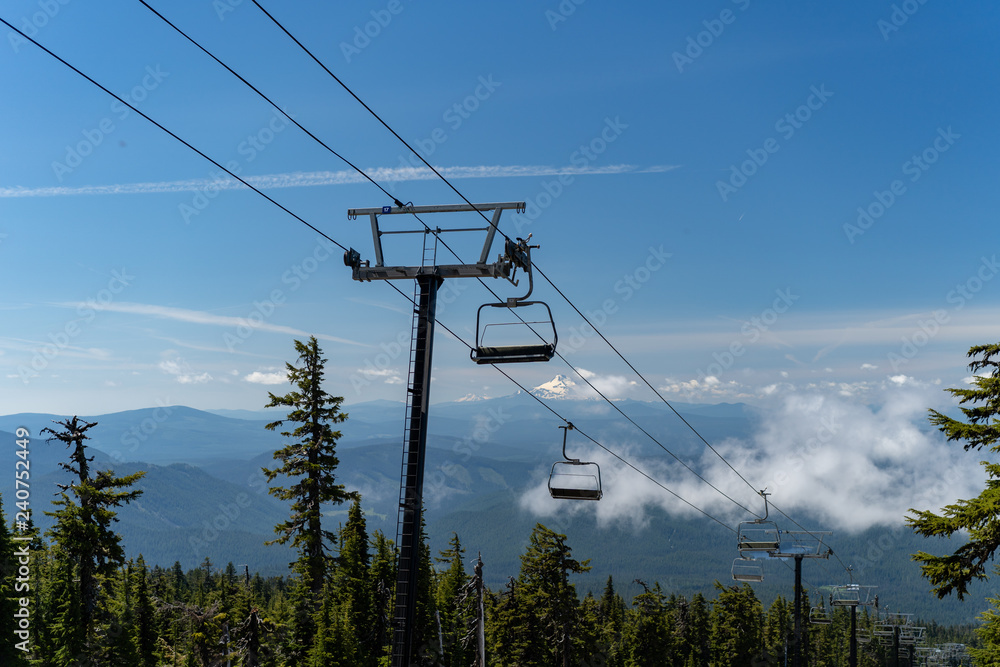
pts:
[800, 544]
[851, 595]
[428, 277]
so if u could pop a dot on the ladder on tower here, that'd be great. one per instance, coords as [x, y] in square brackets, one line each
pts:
[407, 531]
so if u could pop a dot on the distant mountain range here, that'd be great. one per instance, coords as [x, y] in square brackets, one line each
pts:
[205, 495]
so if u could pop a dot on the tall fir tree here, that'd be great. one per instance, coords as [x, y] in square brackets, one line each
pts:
[352, 582]
[88, 549]
[454, 624]
[544, 577]
[737, 627]
[309, 462]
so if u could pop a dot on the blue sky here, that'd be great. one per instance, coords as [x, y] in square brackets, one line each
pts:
[756, 199]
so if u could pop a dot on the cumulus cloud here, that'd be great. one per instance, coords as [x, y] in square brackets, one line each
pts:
[389, 375]
[182, 371]
[848, 456]
[612, 386]
[274, 377]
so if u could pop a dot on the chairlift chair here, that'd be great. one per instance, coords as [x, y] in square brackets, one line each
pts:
[748, 569]
[543, 350]
[759, 534]
[573, 479]
[519, 254]
[846, 596]
[820, 615]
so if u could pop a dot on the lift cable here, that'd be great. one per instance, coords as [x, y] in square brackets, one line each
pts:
[341, 246]
[202, 154]
[271, 102]
[542, 273]
[441, 240]
[588, 437]
[334, 241]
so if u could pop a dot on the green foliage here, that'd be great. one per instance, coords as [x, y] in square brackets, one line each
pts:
[737, 627]
[309, 461]
[979, 516]
[88, 550]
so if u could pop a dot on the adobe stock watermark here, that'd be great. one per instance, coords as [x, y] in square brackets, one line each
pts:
[363, 35]
[293, 277]
[486, 424]
[930, 327]
[786, 126]
[223, 7]
[751, 331]
[30, 25]
[95, 136]
[140, 433]
[562, 12]
[915, 167]
[586, 154]
[250, 148]
[212, 528]
[898, 17]
[696, 44]
[62, 339]
[453, 117]
[629, 284]
[795, 462]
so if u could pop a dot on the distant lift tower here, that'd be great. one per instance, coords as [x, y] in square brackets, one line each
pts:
[428, 276]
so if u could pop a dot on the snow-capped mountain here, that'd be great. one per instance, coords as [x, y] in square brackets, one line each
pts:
[558, 387]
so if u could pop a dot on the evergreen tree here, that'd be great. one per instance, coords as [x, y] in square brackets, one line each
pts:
[250, 636]
[699, 626]
[426, 644]
[777, 631]
[308, 462]
[648, 635]
[611, 616]
[513, 636]
[383, 576]
[88, 549]
[144, 616]
[736, 627]
[353, 585]
[978, 517]
[449, 590]
[545, 570]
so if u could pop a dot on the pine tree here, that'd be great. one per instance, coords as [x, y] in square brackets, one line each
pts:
[449, 588]
[352, 583]
[88, 549]
[145, 621]
[736, 626]
[383, 576]
[611, 616]
[308, 462]
[980, 516]
[544, 577]
[648, 632]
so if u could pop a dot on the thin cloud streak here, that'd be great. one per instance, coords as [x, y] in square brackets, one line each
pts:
[321, 178]
[201, 317]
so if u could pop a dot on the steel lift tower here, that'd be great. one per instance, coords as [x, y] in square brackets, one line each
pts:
[428, 276]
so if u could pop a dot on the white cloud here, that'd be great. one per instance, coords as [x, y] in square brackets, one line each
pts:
[324, 178]
[869, 367]
[201, 317]
[276, 377]
[182, 372]
[612, 386]
[850, 456]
